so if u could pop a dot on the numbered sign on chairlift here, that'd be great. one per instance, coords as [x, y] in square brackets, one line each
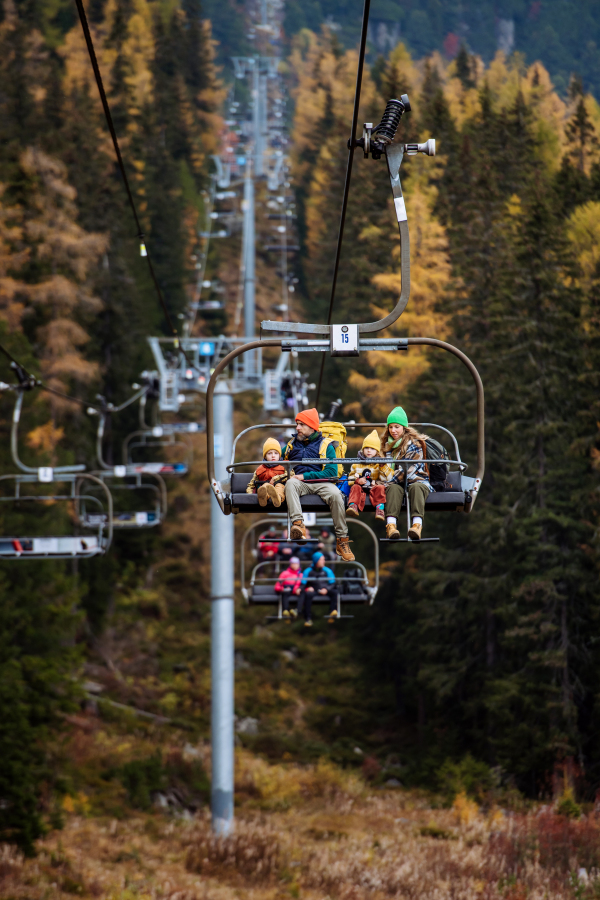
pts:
[120, 471]
[141, 518]
[344, 340]
[45, 474]
[310, 519]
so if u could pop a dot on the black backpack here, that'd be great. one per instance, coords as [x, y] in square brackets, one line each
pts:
[438, 471]
[353, 587]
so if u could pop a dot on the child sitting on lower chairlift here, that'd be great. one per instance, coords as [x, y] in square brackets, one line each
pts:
[367, 478]
[268, 481]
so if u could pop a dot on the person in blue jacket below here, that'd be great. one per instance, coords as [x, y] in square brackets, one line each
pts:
[318, 579]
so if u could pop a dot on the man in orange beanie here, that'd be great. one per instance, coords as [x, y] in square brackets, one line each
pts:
[315, 472]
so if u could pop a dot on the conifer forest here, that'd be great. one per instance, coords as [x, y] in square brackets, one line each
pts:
[443, 742]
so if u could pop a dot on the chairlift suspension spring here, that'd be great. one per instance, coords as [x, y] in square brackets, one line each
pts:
[394, 110]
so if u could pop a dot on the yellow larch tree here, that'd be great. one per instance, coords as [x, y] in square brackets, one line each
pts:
[424, 315]
[67, 254]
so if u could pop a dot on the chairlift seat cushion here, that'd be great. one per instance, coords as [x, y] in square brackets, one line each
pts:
[446, 501]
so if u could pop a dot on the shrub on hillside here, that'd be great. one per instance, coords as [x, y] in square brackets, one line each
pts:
[557, 843]
[469, 776]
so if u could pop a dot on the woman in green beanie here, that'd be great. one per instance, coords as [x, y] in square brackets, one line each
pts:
[400, 441]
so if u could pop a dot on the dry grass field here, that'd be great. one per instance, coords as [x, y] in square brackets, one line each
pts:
[316, 833]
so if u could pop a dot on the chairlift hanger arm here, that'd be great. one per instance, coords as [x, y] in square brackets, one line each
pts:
[103, 413]
[394, 154]
[210, 425]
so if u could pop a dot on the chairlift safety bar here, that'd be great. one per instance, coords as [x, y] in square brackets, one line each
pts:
[348, 426]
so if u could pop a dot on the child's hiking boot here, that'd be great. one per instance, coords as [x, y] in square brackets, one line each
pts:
[380, 513]
[294, 613]
[268, 492]
[342, 548]
[280, 491]
[392, 532]
[332, 616]
[286, 615]
[308, 623]
[414, 531]
[298, 531]
[352, 510]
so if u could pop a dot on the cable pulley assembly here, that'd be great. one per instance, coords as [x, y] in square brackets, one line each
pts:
[374, 140]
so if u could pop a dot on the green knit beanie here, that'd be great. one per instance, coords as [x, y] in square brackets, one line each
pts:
[397, 417]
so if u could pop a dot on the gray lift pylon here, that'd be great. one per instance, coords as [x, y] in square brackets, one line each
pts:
[249, 253]
[222, 556]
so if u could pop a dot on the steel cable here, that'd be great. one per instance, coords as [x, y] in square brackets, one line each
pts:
[351, 147]
[113, 134]
[35, 382]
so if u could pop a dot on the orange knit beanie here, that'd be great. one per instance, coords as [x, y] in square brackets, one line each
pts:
[310, 417]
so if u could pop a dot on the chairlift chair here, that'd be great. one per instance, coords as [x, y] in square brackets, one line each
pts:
[160, 436]
[261, 587]
[142, 482]
[77, 493]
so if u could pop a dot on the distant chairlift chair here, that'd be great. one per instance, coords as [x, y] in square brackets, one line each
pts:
[168, 435]
[261, 588]
[71, 546]
[139, 481]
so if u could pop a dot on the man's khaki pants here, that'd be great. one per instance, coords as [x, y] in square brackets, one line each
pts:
[328, 492]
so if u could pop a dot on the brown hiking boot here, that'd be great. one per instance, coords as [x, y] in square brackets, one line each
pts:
[414, 532]
[352, 510]
[298, 531]
[262, 495]
[280, 491]
[342, 549]
[392, 532]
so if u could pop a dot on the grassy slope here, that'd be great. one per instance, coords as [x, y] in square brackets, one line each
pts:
[313, 834]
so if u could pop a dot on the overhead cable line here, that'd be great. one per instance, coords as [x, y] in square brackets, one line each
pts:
[113, 134]
[16, 364]
[351, 145]
[28, 381]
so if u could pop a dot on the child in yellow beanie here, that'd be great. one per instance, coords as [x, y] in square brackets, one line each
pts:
[367, 478]
[269, 479]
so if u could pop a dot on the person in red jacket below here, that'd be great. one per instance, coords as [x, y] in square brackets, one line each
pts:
[289, 585]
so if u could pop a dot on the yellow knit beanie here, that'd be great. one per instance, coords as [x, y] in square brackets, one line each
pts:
[271, 444]
[372, 440]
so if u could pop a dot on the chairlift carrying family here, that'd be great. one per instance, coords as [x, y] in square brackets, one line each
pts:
[316, 471]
